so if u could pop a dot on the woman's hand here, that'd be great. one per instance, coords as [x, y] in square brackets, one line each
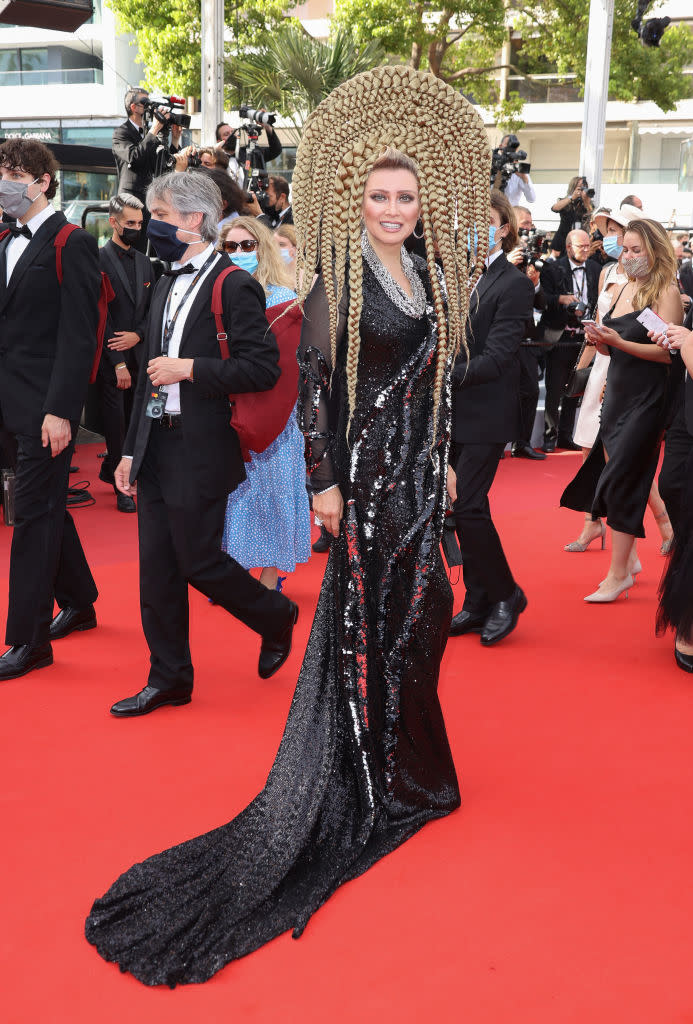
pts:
[452, 484]
[329, 508]
[675, 337]
[600, 335]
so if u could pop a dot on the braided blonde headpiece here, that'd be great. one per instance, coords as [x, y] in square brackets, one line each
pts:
[419, 115]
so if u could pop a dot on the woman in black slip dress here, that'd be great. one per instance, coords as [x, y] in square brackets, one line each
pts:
[640, 389]
[364, 761]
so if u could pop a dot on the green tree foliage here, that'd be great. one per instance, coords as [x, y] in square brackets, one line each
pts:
[460, 41]
[291, 72]
[168, 33]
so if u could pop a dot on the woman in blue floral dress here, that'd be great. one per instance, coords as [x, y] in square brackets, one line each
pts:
[267, 516]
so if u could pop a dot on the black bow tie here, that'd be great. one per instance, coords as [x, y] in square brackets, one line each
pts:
[17, 229]
[187, 269]
[127, 254]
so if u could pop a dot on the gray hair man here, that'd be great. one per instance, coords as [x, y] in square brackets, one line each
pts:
[182, 452]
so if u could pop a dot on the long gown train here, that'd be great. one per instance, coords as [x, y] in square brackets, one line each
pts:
[364, 760]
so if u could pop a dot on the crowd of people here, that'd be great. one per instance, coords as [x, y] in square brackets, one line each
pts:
[381, 358]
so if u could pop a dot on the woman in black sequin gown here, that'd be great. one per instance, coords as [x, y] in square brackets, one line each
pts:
[641, 385]
[364, 761]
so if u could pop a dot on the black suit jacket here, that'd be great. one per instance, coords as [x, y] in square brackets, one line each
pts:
[127, 311]
[557, 279]
[486, 396]
[288, 218]
[47, 331]
[686, 277]
[213, 454]
[135, 158]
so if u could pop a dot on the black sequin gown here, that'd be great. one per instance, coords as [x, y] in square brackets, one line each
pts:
[364, 761]
[636, 408]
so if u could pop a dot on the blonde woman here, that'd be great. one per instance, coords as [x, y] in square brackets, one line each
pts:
[285, 236]
[641, 386]
[364, 761]
[267, 516]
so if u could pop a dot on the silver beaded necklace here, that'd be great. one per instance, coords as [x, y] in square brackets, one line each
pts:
[413, 305]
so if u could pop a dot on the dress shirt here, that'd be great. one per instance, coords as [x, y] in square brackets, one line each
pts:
[492, 256]
[178, 290]
[516, 190]
[17, 245]
[579, 274]
[127, 262]
[138, 127]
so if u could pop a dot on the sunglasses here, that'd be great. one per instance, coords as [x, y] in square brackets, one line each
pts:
[247, 245]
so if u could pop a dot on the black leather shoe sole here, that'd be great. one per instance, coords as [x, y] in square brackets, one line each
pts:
[82, 628]
[148, 708]
[684, 661]
[15, 674]
[470, 626]
[283, 650]
[490, 641]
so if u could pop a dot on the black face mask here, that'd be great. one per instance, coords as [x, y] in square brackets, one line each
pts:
[129, 236]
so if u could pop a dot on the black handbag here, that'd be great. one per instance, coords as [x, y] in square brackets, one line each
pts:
[577, 381]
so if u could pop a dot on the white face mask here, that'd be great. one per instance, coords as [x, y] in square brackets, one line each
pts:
[14, 199]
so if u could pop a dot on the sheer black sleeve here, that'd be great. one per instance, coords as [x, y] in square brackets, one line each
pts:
[318, 407]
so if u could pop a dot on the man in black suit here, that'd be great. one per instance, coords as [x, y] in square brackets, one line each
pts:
[131, 276]
[140, 154]
[47, 344]
[228, 141]
[278, 205]
[187, 461]
[485, 416]
[568, 280]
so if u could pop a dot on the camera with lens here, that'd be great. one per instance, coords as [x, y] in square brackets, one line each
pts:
[172, 111]
[506, 161]
[575, 312]
[588, 192]
[156, 404]
[535, 249]
[263, 117]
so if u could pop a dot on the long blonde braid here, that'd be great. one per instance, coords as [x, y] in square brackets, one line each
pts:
[421, 116]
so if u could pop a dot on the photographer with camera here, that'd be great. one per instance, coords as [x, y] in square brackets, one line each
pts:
[141, 151]
[278, 205]
[570, 285]
[527, 257]
[575, 210]
[236, 148]
[519, 185]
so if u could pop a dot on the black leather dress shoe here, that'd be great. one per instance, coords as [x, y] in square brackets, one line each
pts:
[323, 542]
[106, 473]
[273, 653]
[549, 446]
[684, 661]
[72, 620]
[503, 618]
[568, 445]
[524, 450]
[466, 622]
[23, 658]
[124, 503]
[149, 699]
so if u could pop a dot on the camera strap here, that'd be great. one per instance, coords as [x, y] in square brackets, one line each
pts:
[170, 324]
[579, 287]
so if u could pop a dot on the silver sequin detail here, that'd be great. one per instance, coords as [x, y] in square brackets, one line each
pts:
[414, 305]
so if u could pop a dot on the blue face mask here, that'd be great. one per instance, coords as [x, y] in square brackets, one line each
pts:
[286, 255]
[166, 243]
[246, 261]
[492, 235]
[611, 246]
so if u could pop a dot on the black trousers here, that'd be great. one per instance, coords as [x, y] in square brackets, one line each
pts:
[485, 570]
[677, 447]
[529, 390]
[180, 536]
[559, 412]
[112, 404]
[47, 560]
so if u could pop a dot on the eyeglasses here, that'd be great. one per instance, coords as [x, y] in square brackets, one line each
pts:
[247, 245]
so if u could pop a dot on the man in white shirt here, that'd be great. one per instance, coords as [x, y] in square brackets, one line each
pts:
[519, 188]
[187, 460]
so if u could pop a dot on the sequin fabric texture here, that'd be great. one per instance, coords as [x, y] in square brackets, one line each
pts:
[364, 761]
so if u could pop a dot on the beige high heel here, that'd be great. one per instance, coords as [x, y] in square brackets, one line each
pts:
[607, 596]
[577, 545]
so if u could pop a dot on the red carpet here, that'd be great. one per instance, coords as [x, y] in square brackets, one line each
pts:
[560, 892]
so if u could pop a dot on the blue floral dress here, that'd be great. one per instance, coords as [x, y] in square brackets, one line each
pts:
[267, 516]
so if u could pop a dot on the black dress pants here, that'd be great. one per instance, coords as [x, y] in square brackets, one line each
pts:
[529, 390]
[180, 533]
[485, 570]
[112, 404]
[677, 447]
[47, 560]
[559, 411]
